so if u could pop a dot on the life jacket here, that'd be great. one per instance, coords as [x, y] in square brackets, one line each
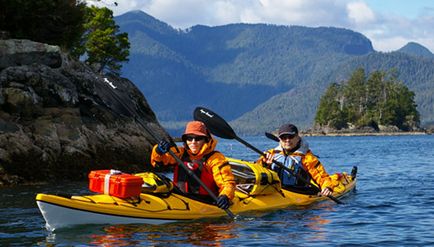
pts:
[187, 184]
[295, 165]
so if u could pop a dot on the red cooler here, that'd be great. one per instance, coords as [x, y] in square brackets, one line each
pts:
[115, 183]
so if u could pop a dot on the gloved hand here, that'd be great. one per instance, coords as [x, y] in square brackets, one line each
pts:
[223, 202]
[163, 147]
[326, 192]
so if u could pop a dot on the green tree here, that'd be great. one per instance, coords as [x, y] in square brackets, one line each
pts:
[399, 108]
[102, 44]
[354, 95]
[378, 100]
[78, 29]
[330, 111]
[56, 22]
[373, 89]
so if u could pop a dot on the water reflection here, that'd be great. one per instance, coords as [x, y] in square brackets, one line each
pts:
[194, 233]
[316, 222]
[313, 220]
[116, 235]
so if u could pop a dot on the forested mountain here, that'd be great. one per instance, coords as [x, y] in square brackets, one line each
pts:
[415, 49]
[255, 75]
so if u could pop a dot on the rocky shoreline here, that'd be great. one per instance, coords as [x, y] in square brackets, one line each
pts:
[306, 133]
[358, 132]
[381, 130]
[59, 119]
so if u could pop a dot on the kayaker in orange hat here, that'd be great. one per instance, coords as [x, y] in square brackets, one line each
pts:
[199, 155]
[294, 153]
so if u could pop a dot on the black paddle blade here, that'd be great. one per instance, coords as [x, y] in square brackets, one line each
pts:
[215, 124]
[272, 137]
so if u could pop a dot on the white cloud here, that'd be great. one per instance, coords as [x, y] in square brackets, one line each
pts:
[360, 13]
[297, 12]
[391, 32]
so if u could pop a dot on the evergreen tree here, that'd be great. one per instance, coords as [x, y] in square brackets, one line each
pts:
[55, 22]
[78, 29]
[354, 95]
[102, 44]
[330, 111]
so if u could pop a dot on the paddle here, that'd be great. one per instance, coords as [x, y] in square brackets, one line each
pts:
[272, 137]
[178, 160]
[219, 127]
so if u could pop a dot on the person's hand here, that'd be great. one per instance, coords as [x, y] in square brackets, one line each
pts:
[223, 202]
[326, 192]
[268, 158]
[163, 147]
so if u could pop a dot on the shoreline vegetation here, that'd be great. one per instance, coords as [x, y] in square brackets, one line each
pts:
[352, 133]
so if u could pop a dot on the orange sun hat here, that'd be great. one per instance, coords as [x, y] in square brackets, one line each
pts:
[195, 128]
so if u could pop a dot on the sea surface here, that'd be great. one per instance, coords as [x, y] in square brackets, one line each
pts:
[392, 206]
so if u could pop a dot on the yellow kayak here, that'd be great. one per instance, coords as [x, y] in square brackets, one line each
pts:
[258, 189]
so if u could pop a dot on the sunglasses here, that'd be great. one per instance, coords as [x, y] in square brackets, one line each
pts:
[287, 137]
[197, 138]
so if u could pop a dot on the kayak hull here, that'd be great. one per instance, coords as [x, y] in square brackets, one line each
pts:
[58, 216]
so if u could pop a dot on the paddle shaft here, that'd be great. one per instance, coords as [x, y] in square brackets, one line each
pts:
[275, 138]
[178, 160]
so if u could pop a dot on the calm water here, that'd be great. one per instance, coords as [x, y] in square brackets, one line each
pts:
[393, 205]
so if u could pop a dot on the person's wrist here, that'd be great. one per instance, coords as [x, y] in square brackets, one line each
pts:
[159, 150]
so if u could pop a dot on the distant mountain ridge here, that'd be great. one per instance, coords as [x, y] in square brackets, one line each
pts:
[416, 49]
[255, 75]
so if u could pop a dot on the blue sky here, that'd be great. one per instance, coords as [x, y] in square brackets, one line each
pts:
[409, 9]
[389, 24]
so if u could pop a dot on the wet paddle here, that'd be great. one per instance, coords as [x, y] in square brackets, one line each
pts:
[219, 127]
[178, 160]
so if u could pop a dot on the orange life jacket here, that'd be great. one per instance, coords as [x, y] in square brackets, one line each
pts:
[187, 184]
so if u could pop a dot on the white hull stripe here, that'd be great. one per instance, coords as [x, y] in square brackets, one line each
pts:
[61, 216]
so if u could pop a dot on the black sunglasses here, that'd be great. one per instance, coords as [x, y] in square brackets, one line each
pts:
[197, 138]
[287, 136]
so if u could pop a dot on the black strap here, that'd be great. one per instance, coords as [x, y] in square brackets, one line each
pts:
[183, 176]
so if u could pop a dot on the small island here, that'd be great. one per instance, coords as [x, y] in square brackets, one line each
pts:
[374, 104]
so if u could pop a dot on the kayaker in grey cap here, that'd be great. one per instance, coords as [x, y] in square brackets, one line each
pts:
[294, 153]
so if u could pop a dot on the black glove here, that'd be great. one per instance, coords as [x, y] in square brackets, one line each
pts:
[223, 202]
[163, 147]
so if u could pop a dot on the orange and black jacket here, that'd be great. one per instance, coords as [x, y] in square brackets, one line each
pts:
[215, 171]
